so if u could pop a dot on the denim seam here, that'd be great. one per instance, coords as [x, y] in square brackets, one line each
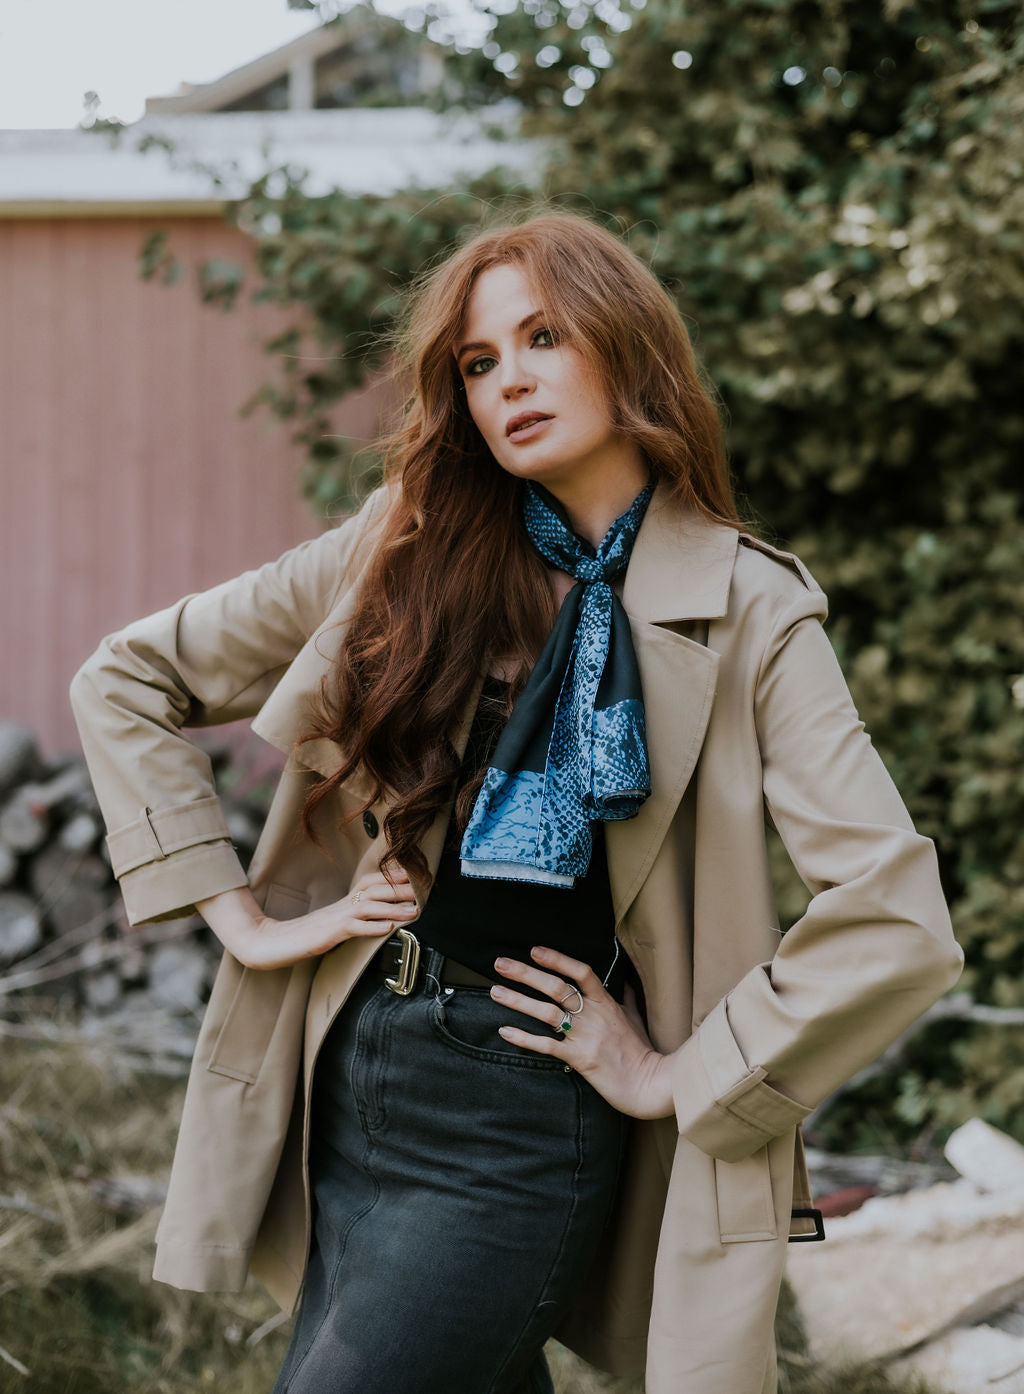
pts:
[332, 1286]
[566, 1228]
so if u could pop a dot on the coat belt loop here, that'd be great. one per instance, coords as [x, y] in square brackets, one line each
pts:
[159, 854]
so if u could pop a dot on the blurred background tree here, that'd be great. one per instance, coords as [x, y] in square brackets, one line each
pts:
[833, 193]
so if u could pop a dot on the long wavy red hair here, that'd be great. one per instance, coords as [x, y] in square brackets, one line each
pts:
[453, 580]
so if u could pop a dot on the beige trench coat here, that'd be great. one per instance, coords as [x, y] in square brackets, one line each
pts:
[748, 719]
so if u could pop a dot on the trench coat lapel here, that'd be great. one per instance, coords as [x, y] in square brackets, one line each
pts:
[680, 570]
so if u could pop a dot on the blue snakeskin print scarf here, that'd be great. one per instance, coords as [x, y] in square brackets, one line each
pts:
[574, 749]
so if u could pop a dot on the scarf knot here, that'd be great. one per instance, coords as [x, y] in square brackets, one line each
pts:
[574, 750]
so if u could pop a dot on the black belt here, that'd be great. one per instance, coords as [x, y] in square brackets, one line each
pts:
[399, 963]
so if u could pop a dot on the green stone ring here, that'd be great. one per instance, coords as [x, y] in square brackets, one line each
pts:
[566, 1024]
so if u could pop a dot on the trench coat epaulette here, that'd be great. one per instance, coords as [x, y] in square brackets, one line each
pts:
[789, 559]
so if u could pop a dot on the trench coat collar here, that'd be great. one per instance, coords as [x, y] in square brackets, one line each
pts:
[680, 570]
[681, 564]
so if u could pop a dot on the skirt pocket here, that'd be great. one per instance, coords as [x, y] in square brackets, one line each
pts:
[467, 1020]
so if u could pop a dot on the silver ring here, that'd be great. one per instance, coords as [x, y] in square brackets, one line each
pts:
[355, 898]
[572, 1011]
[566, 1024]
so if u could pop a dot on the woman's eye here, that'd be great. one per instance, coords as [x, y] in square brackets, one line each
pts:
[481, 365]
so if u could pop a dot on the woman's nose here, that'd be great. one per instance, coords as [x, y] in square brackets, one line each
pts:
[515, 380]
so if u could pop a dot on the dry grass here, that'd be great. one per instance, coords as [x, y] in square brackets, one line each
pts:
[78, 1309]
[79, 1313]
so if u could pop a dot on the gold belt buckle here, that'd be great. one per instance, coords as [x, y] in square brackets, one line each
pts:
[408, 964]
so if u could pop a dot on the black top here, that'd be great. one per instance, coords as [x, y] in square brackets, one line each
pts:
[474, 920]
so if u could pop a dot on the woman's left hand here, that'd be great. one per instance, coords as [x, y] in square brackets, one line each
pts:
[606, 1042]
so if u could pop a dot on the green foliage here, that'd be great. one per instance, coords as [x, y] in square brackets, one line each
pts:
[833, 193]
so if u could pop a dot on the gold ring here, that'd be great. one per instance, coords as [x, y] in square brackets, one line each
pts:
[566, 1024]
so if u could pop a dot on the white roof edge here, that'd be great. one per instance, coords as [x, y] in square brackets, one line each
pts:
[371, 150]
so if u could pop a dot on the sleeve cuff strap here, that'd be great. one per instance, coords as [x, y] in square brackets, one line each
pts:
[170, 888]
[722, 1104]
[157, 833]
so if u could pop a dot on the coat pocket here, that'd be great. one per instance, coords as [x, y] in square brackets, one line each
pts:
[252, 1015]
[746, 1208]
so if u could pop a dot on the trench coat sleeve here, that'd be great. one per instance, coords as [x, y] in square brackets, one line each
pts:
[212, 657]
[875, 946]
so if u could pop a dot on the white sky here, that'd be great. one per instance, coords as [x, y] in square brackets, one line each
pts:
[54, 51]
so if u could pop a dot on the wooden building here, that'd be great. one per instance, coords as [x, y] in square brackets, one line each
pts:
[127, 476]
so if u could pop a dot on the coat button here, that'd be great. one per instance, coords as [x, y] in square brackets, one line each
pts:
[370, 825]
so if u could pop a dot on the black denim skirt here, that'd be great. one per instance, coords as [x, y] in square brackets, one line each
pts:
[460, 1187]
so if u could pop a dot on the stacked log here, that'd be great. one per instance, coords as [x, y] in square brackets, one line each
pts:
[64, 937]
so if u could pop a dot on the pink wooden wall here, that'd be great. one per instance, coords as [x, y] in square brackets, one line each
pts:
[127, 478]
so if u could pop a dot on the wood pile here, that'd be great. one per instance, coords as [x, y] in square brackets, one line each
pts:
[65, 944]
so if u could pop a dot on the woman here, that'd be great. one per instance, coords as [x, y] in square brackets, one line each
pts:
[512, 896]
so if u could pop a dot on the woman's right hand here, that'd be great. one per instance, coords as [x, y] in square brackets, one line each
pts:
[372, 908]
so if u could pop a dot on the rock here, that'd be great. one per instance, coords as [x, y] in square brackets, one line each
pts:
[101, 989]
[19, 757]
[8, 865]
[133, 964]
[831, 1171]
[79, 833]
[26, 816]
[973, 1360]
[24, 821]
[21, 926]
[80, 904]
[946, 1210]
[1011, 1319]
[54, 869]
[991, 1159]
[97, 952]
[74, 888]
[177, 975]
[903, 1269]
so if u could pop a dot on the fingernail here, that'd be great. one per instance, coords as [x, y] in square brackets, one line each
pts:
[502, 963]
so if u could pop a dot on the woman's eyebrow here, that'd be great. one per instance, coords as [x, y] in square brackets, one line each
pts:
[477, 344]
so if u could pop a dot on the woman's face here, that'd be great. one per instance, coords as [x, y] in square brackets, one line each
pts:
[536, 403]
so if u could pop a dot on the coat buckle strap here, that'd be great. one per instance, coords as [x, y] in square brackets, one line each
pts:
[809, 1213]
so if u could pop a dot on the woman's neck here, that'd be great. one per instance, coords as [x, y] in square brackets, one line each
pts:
[593, 503]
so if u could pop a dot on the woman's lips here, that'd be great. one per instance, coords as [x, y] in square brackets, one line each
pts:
[529, 431]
